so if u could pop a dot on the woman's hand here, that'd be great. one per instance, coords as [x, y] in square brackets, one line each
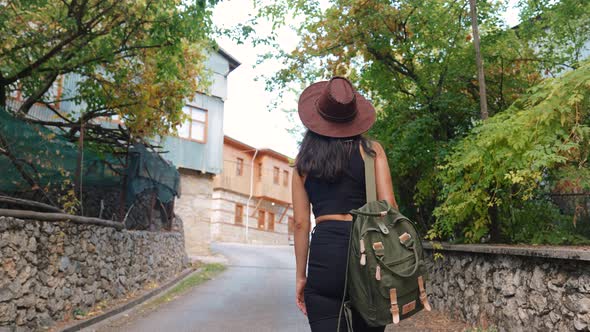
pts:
[299, 286]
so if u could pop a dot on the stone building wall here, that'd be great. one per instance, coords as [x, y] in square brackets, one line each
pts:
[513, 289]
[225, 229]
[223, 232]
[194, 208]
[50, 270]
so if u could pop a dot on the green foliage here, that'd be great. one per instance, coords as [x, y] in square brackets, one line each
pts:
[415, 60]
[561, 20]
[513, 157]
[136, 59]
[539, 221]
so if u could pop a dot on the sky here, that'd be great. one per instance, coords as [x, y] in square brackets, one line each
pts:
[246, 116]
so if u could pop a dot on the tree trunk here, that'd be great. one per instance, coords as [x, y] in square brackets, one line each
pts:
[480, 74]
[6, 150]
[495, 234]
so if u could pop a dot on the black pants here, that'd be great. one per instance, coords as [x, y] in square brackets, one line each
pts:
[325, 279]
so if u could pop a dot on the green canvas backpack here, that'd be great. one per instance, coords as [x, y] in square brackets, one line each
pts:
[385, 271]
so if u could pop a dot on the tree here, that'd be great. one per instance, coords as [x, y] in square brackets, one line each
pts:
[540, 141]
[415, 60]
[558, 30]
[138, 60]
[135, 59]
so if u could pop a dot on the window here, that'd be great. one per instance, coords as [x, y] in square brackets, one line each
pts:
[260, 219]
[285, 178]
[275, 175]
[239, 213]
[195, 128]
[271, 221]
[259, 171]
[240, 167]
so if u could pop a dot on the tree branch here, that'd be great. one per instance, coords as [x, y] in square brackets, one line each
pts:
[8, 153]
[26, 202]
[59, 217]
[31, 100]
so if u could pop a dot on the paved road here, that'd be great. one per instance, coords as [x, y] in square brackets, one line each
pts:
[256, 293]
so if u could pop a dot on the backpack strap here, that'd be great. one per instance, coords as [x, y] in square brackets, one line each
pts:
[370, 183]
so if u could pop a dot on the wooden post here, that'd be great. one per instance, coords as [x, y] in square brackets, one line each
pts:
[123, 196]
[151, 224]
[478, 60]
[79, 169]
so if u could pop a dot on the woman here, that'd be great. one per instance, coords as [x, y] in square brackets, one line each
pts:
[330, 177]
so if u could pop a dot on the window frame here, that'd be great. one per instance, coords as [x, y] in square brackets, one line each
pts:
[285, 178]
[239, 166]
[189, 122]
[270, 226]
[261, 219]
[239, 214]
[276, 175]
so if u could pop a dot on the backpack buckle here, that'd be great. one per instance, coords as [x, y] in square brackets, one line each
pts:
[363, 255]
[378, 248]
[383, 228]
[406, 239]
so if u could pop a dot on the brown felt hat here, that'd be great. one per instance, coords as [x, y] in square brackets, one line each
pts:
[335, 109]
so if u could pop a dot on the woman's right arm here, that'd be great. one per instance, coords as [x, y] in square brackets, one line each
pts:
[301, 227]
[383, 176]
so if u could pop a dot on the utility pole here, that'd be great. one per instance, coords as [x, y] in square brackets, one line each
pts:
[251, 194]
[480, 74]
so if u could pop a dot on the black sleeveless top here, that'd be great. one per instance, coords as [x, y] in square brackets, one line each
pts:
[345, 194]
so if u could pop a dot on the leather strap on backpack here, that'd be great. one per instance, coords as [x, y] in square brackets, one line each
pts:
[370, 183]
[394, 307]
[423, 297]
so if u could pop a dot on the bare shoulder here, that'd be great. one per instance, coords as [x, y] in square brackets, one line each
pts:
[297, 178]
[378, 148]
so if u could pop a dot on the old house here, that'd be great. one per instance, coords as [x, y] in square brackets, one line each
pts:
[252, 196]
[197, 152]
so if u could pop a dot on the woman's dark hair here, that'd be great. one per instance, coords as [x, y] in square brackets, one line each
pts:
[327, 157]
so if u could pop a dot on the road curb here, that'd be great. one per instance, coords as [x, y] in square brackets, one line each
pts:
[130, 305]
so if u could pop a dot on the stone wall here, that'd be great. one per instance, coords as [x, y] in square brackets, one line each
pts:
[514, 289]
[194, 207]
[49, 271]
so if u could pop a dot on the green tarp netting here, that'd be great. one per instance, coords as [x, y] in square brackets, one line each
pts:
[36, 154]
